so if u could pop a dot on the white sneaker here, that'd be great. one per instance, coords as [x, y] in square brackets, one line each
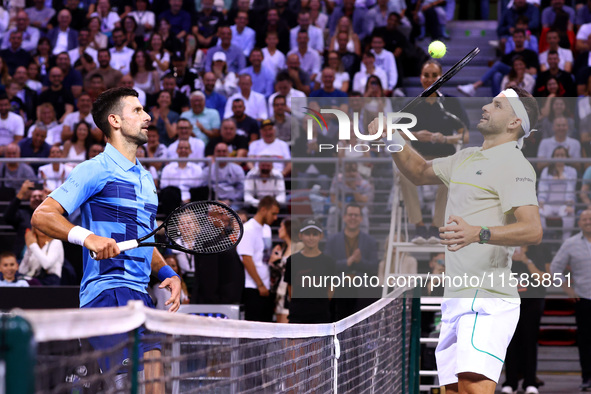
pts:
[508, 390]
[531, 390]
[418, 240]
[467, 89]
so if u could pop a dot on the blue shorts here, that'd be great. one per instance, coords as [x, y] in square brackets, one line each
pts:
[114, 298]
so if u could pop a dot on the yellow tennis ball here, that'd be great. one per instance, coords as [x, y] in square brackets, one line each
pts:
[437, 49]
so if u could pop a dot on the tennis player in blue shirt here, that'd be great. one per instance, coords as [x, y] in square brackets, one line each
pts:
[118, 201]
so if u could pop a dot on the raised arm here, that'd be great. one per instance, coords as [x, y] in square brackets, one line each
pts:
[418, 170]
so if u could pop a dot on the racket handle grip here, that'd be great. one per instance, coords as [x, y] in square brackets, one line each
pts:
[123, 246]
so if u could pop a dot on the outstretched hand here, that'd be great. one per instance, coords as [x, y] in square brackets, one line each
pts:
[458, 235]
[174, 285]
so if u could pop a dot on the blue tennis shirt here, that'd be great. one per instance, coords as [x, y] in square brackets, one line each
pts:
[117, 199]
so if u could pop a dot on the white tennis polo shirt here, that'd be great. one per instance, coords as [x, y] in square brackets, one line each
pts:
[485, 187]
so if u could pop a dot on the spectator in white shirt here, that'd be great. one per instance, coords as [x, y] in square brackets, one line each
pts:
[120, 54]
[314, 33]
[274, 59]
[360, 78]
[565, 55]
[30, 33]
[310, 61]
[270, 146]
[40, 15]
[242, 36]
[184, 175]
[226, 178]
[54, 174]
[341, 77]
[556, 192]
[386, 61]
[256, 105]
[12, 126]
[185, 129]
[109, 19]
[284, 87]
[83, 47]
[263, 181]
[548, 145]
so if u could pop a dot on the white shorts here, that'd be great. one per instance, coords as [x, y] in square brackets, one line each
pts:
[475, 334]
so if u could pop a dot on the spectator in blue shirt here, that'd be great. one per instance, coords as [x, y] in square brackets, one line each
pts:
[213, 99]
[35, 145]
[179, 20]
[205, 121]
[234, 56]
[243, 36]
[262, 77]
[328, 76]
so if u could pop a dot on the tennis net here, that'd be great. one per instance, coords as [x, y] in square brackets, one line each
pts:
[365, 353]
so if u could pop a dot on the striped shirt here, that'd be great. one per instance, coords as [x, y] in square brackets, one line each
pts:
[117, 199]
[575, 252]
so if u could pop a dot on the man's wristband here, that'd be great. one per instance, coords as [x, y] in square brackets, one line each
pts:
[165, 273]
[396, 139]
[78, 235]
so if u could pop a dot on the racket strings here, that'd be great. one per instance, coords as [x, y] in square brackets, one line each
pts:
[204, 228]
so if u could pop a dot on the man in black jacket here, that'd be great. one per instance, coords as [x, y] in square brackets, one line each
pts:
[18, 215]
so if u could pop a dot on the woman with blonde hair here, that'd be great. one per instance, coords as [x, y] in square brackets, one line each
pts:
[354, 44]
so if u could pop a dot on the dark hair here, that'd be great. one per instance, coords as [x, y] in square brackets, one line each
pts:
[369, 54]
[237, 100]
[531, 107]
[512, 74]
[279, 96]
[435, 63]
[184, 120]
[567, 112]
[256, 49]
[104, 50]
[552, 52]
[133, 67]
[287, 224]
[353, 205]
[117, 29]
[6, 254]
[89, 140]
[267, 202]
[517, 31]
[552, 166]
[109, 102]
[150, 43]
[522, 19]
[371, 78]
[152, 128]
[283, 76]
[396, 14]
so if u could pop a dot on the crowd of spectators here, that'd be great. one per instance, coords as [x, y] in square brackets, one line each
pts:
[218, 80]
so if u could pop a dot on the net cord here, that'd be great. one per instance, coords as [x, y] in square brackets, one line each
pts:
[64, 324]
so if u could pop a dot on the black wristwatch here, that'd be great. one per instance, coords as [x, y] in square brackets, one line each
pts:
[484, 235]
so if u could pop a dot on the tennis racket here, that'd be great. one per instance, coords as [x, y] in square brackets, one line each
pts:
[202, 227]
[443, 79]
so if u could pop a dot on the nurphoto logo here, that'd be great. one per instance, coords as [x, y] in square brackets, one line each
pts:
[374, 141]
